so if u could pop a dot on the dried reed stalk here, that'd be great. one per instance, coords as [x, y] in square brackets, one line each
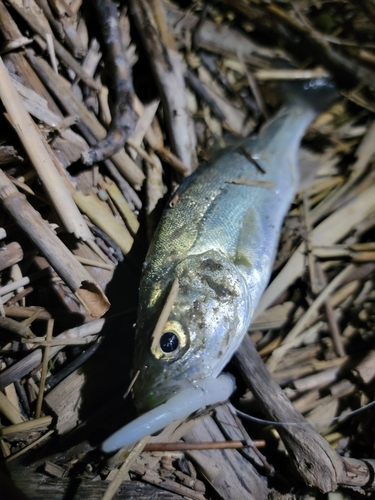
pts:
[42, 158]
[26, 426]
[124, 469]
[43, 376]
[32, 360]
[101, 217]
[166, 64]
[58, 255]
[89, 124]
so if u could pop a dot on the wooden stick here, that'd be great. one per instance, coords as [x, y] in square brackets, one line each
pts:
[151, 476]
[207, 445]
[58, 342]
[91, 126]
[12, 45]
[327, 232]
[128, 192]
[290, 74]
[166, 64]
[130, 386]
[146, 118]
[123, 118]
[37, 485]
[10, 255]
[364, 153]
[164, 315]
[332, 322]
[62, 53]
[16, 327]
[225, 470]
[26, 312]
[32, 360]
[43, 376]
[61, 259]
[253, 85]
[122, 205]
[226, 418]
[155, 191]
[29, 446]
[96, 211]
[142, 152]
[365, 370]
[94, 263]
[318, 281]
[11, 287]
[304, 320]
[26, 426]
[41, 157]
[199, 88]
[347, 72]
[10, 411]
[172, 160]
[11, 394]
[124, 469]
[328, 469]
[29, 321]
[51, 52]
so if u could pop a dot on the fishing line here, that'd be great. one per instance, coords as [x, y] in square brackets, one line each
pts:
[121, 313]
[324, 421]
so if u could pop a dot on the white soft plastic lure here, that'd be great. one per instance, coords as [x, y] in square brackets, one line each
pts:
[218, 239]
[204, 393]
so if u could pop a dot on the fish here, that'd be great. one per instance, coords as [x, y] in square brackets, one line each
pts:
[215, 246]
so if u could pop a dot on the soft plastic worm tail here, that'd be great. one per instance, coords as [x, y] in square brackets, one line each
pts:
[196, 396]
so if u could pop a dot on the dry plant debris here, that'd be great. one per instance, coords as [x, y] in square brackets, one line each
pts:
[105, 108]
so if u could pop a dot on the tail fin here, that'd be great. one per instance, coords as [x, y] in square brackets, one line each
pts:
[317, 93]
[303, 101]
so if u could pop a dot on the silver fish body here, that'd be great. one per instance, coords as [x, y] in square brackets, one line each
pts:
[219, 240]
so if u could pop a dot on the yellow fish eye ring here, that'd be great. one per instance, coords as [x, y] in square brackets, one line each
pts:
[172, 339]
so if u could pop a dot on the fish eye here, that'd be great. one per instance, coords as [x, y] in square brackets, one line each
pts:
[169, 342]
[173, 338]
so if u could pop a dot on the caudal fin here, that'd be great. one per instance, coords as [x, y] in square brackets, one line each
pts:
[318, 93]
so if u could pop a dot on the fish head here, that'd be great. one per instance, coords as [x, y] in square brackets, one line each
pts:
[205, 326]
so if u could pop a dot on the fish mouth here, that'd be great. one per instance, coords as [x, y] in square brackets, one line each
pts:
[189, 399]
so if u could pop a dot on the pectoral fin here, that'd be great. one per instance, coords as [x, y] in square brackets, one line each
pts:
[253, 255]
[246, 241]
[308, 165]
